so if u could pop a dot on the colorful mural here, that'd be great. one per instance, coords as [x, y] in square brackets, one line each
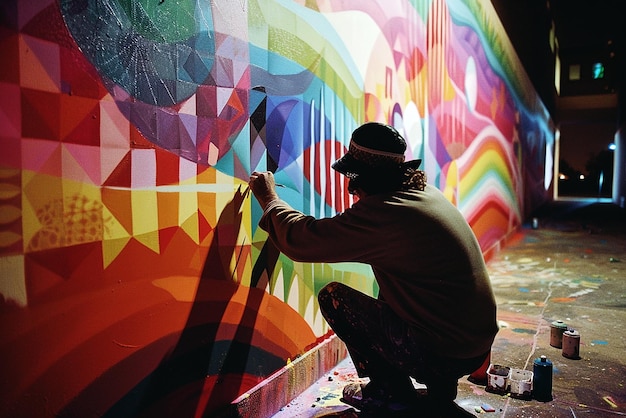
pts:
[134, 278]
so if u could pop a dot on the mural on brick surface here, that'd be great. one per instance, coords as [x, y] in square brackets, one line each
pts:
[134, 277]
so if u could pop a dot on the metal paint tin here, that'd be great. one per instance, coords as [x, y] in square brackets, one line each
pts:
[542, 379]
[571, 344]
[557, 328]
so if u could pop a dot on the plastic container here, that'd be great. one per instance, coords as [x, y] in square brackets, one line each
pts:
[498, 378]
[542, 379]
[521, 383]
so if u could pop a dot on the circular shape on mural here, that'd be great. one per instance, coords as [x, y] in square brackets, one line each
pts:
[159, 61]
[158, 51]
[471, 84]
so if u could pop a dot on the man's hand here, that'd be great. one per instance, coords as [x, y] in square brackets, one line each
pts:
[263, 187]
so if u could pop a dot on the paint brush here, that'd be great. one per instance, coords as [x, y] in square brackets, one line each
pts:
[275, 184]
[247, 193]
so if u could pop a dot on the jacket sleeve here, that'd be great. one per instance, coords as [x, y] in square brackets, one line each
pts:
[344, 237]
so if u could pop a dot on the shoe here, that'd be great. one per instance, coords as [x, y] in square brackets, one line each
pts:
[353, 395]
[366, 398]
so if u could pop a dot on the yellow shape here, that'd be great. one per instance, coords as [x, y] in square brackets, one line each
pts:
[41, 200]
[13, 283]
[452, 182]
[82, 213]
[113, 228]
[190, 226]
[421, 91]
[448, 88]
[187, 206]
[150, 240]
[111, 249]
[144, 211]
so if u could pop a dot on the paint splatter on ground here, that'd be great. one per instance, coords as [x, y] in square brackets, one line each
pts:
[563, 270]
[323, 397]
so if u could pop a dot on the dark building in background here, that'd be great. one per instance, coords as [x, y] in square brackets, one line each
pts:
[573, 52]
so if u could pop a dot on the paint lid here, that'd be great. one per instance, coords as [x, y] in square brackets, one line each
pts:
[543, 361]
[559, 324]
[571, 333]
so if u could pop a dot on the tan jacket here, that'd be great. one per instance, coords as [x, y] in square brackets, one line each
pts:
[425, 257]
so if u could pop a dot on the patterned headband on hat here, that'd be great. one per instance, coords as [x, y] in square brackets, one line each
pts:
[373, 157]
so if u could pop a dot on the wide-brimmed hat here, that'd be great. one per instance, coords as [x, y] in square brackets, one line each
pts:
[373, 147]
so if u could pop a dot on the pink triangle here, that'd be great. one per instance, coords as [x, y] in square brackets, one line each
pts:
[397, 57]
[86, 162]
[36, 153]
[40, 65]
[114, 137]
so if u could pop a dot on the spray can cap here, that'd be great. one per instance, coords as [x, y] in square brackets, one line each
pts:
[542, 361]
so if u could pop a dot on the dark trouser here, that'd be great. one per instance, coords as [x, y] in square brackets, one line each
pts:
[385, 348]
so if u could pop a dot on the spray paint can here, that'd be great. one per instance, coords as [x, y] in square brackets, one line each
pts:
[535, 223]
[557, 328]
[571, 344]
[542, 379]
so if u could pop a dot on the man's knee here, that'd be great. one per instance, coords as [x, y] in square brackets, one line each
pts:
[327, 292]
[326, 296]
[329, 288]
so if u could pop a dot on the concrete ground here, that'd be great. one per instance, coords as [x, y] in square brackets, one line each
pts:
[572, 267]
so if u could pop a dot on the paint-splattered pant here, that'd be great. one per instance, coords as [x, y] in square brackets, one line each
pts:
[385, 348]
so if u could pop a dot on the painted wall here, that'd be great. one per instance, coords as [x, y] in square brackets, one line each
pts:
[134, 278]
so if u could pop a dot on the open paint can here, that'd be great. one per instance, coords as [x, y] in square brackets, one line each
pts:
[498, 378]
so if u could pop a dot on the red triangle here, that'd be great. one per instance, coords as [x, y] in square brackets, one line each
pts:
[165, 237]
[64, 263]
[78, 76]
[81, 120]
[40, 279]
[121, 175]
[86, 260]
[167, 167]
[9, 50]
[137, 140]
[40, 114]
[204, 227]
